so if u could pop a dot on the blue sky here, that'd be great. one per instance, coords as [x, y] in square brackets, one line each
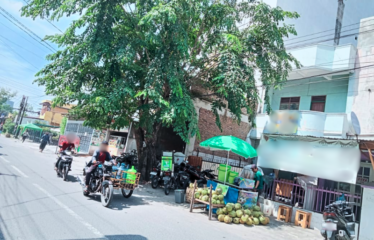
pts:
[21, 57]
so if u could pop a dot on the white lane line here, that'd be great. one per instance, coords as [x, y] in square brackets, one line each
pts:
[4, 159]
[20, 172]
[71, 212]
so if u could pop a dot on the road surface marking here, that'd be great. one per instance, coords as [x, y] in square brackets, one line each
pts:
[4, 159]
[71, 212]
[20, 172]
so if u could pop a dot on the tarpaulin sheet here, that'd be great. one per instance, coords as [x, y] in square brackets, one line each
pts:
[231, 196]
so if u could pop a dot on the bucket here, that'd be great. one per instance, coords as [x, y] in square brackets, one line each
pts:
[232, 176]
[179, 196]
[222, 175]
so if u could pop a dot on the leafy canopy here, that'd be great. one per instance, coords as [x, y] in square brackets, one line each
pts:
[5, 95]
[149, 59]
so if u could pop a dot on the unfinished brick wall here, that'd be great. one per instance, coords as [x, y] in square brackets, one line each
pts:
[209, 129]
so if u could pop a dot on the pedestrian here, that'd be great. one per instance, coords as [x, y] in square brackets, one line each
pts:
[45, 140]
[259, 183]
[1, 128]
[25, 135]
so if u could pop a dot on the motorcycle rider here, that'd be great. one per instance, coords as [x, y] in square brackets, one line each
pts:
[66, 145]
[99, 156]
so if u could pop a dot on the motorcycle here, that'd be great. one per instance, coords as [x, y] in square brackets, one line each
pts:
[194, 175]
[178, 180]
[339, 221]
[100, 182]
[63, 166]
[157, 176]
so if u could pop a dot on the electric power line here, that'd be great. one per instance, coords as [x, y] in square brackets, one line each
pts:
[26, 29]
[9, 47]
[21, 46]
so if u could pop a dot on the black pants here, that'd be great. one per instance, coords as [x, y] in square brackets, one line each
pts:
[59, 159]
[24, 138]
[89, 173]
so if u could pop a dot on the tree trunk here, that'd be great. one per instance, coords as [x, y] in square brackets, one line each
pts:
[146, 146]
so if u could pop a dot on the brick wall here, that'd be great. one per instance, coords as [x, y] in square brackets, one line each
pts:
[209, 129]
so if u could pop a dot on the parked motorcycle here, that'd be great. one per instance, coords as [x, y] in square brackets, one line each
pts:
[157, 176]
[339, 221]
[194, 175]
[63, 166]
[100, 182]
[178, 180]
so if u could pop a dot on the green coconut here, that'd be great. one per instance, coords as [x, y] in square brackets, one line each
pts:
[249, 222]
[214, 193]
[244, 218]
[199, 190]
[238, 206]
[229, 208]
[191, 185]
[232, 214]
[204, 192]
[236, 220]
[224, 210]
[205, 198]
[239, 213]
[221, 217]
[215, 197]
[256, 221]
[219, 211]
[214, 201]
[264, 220]
[197, 195]
[256, 214]
[218, 190]
[257, 208]
[220, 197]
[248, 212]
[227, 219]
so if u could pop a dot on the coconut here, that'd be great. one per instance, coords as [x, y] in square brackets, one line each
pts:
[214, 193]
[229, 208]
[201, 197]
[205, 198]
[200, 190]
[256, 221]
[218, 190]
[241, 221]
[239, 213]
[244, 218]
[248, 212]
[221, 217]
[256, 214]
[215, 197]
[204, 192]
[197, 195]
[214, 201]
[220, 197]
[236, 220]
[264, 220]
[249, 221]
[238, 206]
[228, 219]
[219, 211]
[245, 207]
[257, 208]
[191, 185]
[224, 210]
[232, 214]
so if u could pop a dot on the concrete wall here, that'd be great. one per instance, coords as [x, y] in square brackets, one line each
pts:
[335, 91]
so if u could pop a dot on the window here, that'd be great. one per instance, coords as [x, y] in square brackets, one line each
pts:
[290, 103]
[318, 103]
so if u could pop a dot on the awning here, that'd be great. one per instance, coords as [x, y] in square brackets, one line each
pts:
[333, 159]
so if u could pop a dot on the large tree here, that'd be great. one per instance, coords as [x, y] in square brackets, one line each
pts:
[5, 95]
[147, 59]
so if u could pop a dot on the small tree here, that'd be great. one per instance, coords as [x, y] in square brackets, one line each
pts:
[9, 126]
[5, 95]
[63, 125]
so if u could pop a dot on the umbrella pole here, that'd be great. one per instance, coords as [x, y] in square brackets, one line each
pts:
[227, 163]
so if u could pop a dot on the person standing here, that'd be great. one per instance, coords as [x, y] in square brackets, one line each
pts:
[45, 140]
[1, 128]
[25, 135]
[259, 183]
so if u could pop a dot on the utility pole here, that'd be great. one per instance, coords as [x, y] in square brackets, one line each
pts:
[23, 113]
[21, 106]
[339, 21]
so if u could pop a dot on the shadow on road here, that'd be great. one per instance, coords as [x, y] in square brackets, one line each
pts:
[119, 202]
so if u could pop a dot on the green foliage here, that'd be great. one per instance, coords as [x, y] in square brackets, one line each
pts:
[5, 95]
[63, 125]
[123, 59]
[9, 126]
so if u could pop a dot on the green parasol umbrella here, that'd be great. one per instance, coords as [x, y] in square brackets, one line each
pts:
[230, 144]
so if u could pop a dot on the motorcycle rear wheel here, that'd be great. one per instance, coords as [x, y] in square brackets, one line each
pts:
[65, 173]
[167, 189]
[155, 182]
[107, 195]
[126, 193]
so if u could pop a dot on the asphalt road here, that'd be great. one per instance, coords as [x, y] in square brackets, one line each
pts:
[36, 204]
